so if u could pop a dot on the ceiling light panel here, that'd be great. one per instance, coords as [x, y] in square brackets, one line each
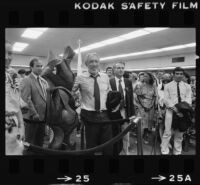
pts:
[33, 33]
[19, 46]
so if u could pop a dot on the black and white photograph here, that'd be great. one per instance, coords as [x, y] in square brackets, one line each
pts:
[100, 91]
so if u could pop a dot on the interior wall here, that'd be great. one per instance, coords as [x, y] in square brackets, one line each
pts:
[160, 62]
[157, 62]
[23, 60]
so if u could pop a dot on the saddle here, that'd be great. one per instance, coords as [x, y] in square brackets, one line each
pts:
[60, 108]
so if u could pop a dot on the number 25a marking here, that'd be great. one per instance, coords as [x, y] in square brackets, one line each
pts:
[179, 178]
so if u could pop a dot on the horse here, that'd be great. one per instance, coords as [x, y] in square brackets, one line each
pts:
[61, 116]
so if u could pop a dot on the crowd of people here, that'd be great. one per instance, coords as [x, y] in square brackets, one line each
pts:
[158, 98]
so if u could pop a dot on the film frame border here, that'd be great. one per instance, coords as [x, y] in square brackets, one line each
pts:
[116, 169]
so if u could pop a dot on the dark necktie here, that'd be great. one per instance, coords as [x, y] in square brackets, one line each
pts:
[43, 91]
[122, 104]
[178, 93]
[120, 88]
[96, 94]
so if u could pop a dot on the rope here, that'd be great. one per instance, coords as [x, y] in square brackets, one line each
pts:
[34, 121]
[120, 121]
[40, 150]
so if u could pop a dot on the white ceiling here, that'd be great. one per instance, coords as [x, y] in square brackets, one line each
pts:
[56, 38]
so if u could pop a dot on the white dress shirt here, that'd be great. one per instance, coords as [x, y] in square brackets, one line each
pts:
[85, 84]
[171, 96]
[41, 84]
[122, 83]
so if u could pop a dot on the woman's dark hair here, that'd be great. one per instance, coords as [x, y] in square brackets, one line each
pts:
[22, 71]
[126, 74]
[27, 73]
[108, 68]
[162, 88]
[188, 77]
[151, 78]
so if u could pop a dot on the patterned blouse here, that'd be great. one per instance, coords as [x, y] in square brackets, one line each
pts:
[12, 93]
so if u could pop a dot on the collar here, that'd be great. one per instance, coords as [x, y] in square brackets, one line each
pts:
[35, 76]
[117, 79]
[178, 82]
[90, 75]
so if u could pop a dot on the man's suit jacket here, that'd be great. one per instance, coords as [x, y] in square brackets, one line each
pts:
[116, 128]
[32, 94]
[128, 95]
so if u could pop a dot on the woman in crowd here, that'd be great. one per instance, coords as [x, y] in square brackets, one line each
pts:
[193, 87]
[146, 94]
[133, 78]
[14, 126]
[141, 77]
[186, 78]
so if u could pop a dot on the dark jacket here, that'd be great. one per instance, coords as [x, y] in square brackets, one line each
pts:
[128, 95]
[182, 124]
[113, 100]
[116, 128]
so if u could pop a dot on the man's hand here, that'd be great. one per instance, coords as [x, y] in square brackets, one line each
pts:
[36, 117]
[179, 114]
[116, 109]
[175, 109]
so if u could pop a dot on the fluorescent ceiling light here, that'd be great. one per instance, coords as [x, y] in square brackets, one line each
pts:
[134, 34]
[190, 45]
[121, 38]
[150, 51]
[19, 46]
[152, 30]
[33, 33]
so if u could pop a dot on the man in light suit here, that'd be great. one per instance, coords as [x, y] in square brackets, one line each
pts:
[123, 85]
[33, 92]
[175, 92]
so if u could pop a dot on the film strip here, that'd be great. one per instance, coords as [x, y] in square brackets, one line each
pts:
[100, 170]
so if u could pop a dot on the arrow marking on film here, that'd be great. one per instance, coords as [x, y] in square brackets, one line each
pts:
[159, 178]
[65, 178]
